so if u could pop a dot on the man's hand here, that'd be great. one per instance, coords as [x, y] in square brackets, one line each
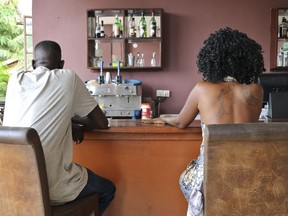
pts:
[77, 133]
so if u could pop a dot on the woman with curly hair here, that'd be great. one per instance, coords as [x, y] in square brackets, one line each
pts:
[230, 63]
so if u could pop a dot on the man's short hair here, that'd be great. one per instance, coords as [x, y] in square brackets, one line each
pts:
[49, 46]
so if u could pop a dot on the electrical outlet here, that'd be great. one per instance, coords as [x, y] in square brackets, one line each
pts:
[162, 93]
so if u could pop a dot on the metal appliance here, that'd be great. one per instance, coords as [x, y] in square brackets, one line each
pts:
[118, 100]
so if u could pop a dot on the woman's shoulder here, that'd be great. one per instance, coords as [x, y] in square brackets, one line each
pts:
[202, 84]
[254, 87]
[206, 85]
[209, 88]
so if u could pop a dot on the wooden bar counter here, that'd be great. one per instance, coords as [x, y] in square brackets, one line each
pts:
[145, 162]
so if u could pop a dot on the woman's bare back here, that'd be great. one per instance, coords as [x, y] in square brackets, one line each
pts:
[220, 103]
[229, 102]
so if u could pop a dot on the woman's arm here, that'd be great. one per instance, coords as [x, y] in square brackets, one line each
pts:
[188, 112]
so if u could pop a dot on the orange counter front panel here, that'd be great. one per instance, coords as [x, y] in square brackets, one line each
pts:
[144, 162]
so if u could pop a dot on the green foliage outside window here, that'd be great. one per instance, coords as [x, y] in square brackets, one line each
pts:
[11, 40]
[4, 77]
[11, 34]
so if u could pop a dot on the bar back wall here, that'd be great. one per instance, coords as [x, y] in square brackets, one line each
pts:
[186, 24]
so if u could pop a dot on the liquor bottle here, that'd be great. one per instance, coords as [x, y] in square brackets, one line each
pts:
[118, 77]
[128, 25]
[137, 62]
[280, 58]
[142, 27]
[121, 29]
[132, 30]
[153, 60]
[142, 61]
[102, 32]
[283, 28]
[116, 27]
[97, 29]
[152, 26]
[101, 77]
[285, 61]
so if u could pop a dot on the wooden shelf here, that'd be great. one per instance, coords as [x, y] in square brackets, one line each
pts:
[112, 48]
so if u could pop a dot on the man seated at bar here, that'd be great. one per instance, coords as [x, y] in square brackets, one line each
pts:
[47, 99]
[230, 63]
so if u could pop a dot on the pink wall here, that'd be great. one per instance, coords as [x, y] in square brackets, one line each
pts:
[187, 23]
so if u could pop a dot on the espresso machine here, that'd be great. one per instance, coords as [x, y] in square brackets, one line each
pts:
[118, 100]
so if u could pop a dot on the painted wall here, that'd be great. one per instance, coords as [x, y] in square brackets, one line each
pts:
[187, 23]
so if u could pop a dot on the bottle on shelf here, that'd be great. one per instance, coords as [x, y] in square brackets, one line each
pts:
[138, 31]
[116, 27]
[98, 57]
[142, 27]
[101, 77]
[142, 61]
[129, 20]
[118, 77]
[131, 59]
[283, 28]
[132, 29]
[137, 61]
[97, 28]
[102, 31]
[153, 60]
[121, 28]
[280, 58]
[285, 59]
[128, 24]
[153, 26]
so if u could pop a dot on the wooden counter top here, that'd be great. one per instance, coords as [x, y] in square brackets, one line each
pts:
[135, 129]
[119, 125]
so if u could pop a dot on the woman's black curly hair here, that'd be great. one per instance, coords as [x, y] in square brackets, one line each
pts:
[229, 52]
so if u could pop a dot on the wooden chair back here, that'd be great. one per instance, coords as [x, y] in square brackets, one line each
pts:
[24, 185]
[246, 169]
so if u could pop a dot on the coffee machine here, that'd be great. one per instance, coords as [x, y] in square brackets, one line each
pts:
[118, 100]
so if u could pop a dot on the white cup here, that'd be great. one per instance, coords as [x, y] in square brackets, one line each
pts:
[107, 78]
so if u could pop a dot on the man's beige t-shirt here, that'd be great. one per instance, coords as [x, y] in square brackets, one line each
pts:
[46, 101]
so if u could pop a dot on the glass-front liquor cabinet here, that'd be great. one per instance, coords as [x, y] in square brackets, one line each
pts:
[279, 39]
[131, 36]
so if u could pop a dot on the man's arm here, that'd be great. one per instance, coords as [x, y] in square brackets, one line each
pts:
[96, 119]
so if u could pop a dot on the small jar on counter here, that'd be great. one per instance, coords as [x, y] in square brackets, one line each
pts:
[146, 111]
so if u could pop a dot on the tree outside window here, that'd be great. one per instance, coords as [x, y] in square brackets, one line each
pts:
[11, 41]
